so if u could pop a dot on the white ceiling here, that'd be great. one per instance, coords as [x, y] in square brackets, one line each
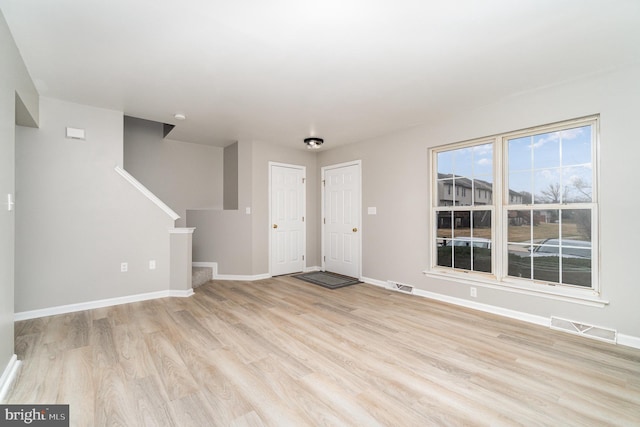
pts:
[282, 70]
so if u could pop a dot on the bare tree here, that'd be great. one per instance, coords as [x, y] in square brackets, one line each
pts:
[582, 218]
[553, 193]
[583, 188]
[527, 198]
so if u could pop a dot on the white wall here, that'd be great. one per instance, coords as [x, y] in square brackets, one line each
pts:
[396, 180]
[14, 80]
[225, 236]
[183, 175]
[77, 219]
[238, 242]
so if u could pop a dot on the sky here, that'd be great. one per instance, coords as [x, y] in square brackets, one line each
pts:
[534, 163]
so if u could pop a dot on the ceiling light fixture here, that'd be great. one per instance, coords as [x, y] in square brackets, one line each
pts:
[313, 142]
[179, 116]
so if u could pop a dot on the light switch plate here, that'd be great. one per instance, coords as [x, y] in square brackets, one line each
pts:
[372, 210]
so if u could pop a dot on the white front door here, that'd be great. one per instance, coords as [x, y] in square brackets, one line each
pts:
[287, 213]
[341, 222]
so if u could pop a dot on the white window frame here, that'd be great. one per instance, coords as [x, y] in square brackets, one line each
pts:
[499, 279]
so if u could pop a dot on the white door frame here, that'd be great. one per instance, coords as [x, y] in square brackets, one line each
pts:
[322, 213]
[304, 210]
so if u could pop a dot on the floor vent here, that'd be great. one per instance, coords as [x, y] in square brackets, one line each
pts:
[400, 287]
[590, 331]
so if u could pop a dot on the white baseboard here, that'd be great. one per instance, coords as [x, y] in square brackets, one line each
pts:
[8, 377]
[186, 293]
[240, 277]
[629, 340]
[71, 308]
[512, 314]
[626, 340]
[244, 278]
[374, 282]
[212, 265]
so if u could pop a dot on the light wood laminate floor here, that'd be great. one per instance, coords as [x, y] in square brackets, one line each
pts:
[282, 352]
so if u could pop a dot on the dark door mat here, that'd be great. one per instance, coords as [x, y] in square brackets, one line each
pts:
[327, 279]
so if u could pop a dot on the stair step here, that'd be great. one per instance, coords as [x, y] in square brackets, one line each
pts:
[200, 276]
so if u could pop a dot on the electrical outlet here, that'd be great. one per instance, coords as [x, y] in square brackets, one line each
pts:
[473, 291]
[124, 267]
[152, 264]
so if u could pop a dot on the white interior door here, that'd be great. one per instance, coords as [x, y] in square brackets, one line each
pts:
[341, 222]
[287, 213]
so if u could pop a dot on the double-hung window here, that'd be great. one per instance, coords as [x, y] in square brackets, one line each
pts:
[524, 210]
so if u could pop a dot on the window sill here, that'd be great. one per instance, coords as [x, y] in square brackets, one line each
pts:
[577, 296]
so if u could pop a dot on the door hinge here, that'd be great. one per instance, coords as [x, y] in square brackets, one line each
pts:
[303, 257]
[303, 179]
[324, 220]
[323, 182]
[324, 258]
[302, 219]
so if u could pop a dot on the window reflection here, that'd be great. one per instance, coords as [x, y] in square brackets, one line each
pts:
[547, 189]
[519, 261]
[483, 160]
[546, 150]
[462, 224]
[465, 176]
[551, 167]
[460, 191]
[464, 240]
[520, 183]
[576, 225]
[463, 162]
[578, 183]
[576, 146]
[546, 225]
[519, 226]
[546, 268]
[445, 162]
[550, 245]
[520, 154]
[481, 242]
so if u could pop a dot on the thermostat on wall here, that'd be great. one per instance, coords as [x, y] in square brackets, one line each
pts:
[75, 133]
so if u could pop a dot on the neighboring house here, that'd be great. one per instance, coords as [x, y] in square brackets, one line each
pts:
[456, 190]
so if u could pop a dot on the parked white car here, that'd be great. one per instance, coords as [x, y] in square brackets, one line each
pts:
[476, 242]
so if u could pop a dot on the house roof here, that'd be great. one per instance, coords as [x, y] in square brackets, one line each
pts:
[280, 71]
[465, 182]
[462, 181]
